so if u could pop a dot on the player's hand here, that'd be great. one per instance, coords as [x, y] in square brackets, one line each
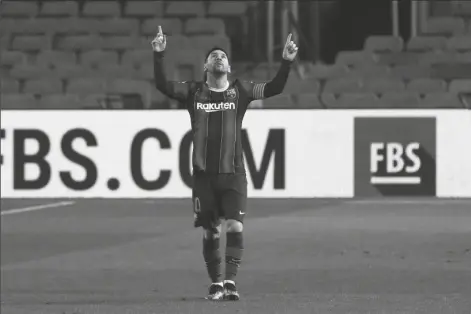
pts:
[160, 41]
[291, 50]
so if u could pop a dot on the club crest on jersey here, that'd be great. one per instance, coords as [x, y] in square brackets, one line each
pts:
[213, 106]
[231, 93]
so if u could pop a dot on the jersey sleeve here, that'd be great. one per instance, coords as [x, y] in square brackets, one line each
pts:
[172, 89]
[268, 89]
[254, 90]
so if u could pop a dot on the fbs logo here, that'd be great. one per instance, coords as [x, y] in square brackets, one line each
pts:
[212, 106]
[395, 157]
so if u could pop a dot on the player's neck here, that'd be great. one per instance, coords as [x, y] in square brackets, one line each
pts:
[217, 82]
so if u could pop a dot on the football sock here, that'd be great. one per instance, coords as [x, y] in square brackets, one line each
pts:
[234, 250]
[212, 258]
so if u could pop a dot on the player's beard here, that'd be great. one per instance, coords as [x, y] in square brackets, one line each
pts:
[219, 69]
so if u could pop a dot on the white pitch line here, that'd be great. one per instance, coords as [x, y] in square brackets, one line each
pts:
[35, 208]
[437, 201]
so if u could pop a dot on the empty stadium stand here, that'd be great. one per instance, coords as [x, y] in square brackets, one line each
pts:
[74, 54]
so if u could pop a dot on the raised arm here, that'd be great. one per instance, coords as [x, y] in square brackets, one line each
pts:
[277, 84]
[172, 89]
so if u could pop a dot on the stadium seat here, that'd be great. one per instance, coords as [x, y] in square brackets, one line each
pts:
[191, 60]
[351, 100]
[343, 85]
[383, 85]
[370, 71]
[295, 85]
[459, 43]
[263, 72]
[94, 58]
[27, 71]
[397, 58]
[34, 26]
[118, 27]
[441, 100]
[444, 25]
[425, 43]
[177, 43]
[205, 26]
[9, 86]
[130, 86]
[53, 58]
[79, 42]
[383, 44]
[144, 8]
[439, 8]
[101, 8]
[450, 71]
[60, 101]
[398, 100]
[329, 100]
[282, 101]
[11, 26]
[324, 71]
[355, 58]
[145, 73]
[5, 41]
[120, 42]
[69, 71]
[19, 8]
[435, 57]
[460, 86]
[205, 43]
[427, 85]
[409, 72]
[43, 86]
[461, 8]
[18, 101]
[78, 26]
[143, 43]
[136, 58]
[92, 101]
[185, 9]
[86, 86]
[465, 57]
[227, 8]
[117, 71]
[59, 8]
[157, 97]
[360, 101]
[12, 58]
[171, 26]
[8, 24]
[308, 101]
[31, 43]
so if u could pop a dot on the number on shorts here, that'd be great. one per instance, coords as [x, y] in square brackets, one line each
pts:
[197, 205]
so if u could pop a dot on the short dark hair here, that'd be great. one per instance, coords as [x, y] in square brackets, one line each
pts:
[214, 49]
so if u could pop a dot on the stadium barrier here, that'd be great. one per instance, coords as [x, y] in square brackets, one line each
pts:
[289, 153]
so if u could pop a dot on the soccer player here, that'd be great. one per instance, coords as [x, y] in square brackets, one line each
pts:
[217, 106]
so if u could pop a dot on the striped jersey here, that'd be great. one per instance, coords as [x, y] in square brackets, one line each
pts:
[216, 117]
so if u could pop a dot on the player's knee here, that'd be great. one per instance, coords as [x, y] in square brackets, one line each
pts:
[212, 233]
[234, 226]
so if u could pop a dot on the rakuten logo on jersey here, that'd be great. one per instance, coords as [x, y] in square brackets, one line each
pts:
[212, 106]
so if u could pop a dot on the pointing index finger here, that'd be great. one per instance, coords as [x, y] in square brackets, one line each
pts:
[289, 39]
[160, 30]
